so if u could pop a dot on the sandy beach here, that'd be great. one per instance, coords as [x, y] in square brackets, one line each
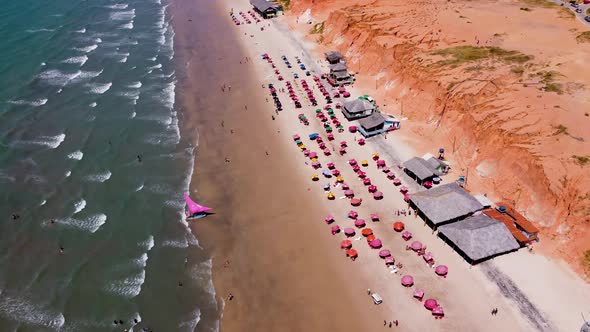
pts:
[270, 246]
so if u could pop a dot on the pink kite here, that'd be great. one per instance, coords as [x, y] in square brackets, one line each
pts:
[359, 223]
[407, 280]
[416, 245]
[375, 244]
[349, 231]
[441, 270]
[430, 304]
[384, 253]
[194, 208]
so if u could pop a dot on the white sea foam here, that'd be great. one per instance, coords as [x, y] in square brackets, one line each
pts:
[118, 6]
[128, 287]
[83, 30]
[127, 26]
[132, 116]
[168, 94]
[99, 177]
[147, 244]
[34, 103]
[139, 188]
[152, 58]
[43, 64]
[90, 224]
[79, 205]
[40, 30]
[43, 202]
[99, 88]
[81, 60]
[84, 75]
[57, 77]
[126, 15]
[23, 311]
[86, 49]
[93, 104]
[141, 261]
[51, 142]
[76, 155]
[201, 272]
[190, 322]
[123, 60]
[68, 173]
[158, 66]
[135, 85]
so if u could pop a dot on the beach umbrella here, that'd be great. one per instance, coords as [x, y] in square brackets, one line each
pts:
[349, 193]
[349, 231]
[416, 245]
[441, 270]
[418, 293]
[367, 232]
[316, 164]
[406, 197]
[398, 226]
[339, 179]
[341, 89]
[353, 214]
[296, 137]
[303, 147]
[343, 143]
[372, 188]
[361, 141]
[322, 145]
[436, 180]
[367, 181]
[385, 170]
[384, 253]
[361, 174]
[375, 244]
[407, 280]
[331, 165]
[335, 172]
[378, 195]
[364, 163]
[375, 156]
[327, 107]
[352, 253]
[428, 257]
[346, 94]
[313, 155]
[326, 186]
[406, 235]
[352, 129]
[370, 238]
[338, 105]
[298, 142]
[389, 260]
[356, 201]
[352, 162]
[374, 217]
[403, 189]
[345, 244]
[306, 152]
[329, 219]
[330, 196]
[397, 181]
[380, 163]
[438, 311]
[335, 229]
[356, 168]
[315, 177]
[331, 137]
[327, 152]
[430, 304]
[329, 129]
[391, 175]
[427, 184]
[345, 186]
[359, 223]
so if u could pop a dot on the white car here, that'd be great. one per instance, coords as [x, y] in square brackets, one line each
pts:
[376, 298]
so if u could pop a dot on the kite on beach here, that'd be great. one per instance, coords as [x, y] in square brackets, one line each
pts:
[194, 210]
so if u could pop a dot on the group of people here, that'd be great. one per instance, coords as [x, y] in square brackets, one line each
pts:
[396, 322]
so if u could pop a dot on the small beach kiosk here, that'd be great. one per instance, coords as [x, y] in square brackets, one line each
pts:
[376, 124]
[424, 169]
[357, 109]
[334, 57]
[266, 8]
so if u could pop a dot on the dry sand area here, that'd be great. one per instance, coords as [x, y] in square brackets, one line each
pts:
[502, 85]
[300, 279]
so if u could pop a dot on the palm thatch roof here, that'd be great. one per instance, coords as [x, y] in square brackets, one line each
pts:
[333, 56]
[445, 203]
[480, 237]
[372, 121]
[357, 106]
[420, 168]
[338, 67]
[263, 5]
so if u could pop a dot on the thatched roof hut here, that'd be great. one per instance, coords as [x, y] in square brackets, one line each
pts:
[479, 237]
[444, 204]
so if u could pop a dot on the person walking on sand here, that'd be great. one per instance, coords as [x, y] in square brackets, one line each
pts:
[368, 291]
[384, 322]
[390, 323]
[229, 88]
[396, 322]
[222, 124]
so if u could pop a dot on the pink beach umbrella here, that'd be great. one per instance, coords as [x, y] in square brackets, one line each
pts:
[349, 231]
[316, 164]
[430, 304]
[428, 257]
[438, 311]
[416, 245]
[306, 152]
[407, 280]
[359, 223]
[352, 129]
[322, 145]
[384, 253]
[397, 181]
[406, 235]
[403, 189]
[418, 293]
[346, 94]
[391, 175]
[389, 260]
[381, 163]
[356, 168]
[378, 195]
[349, 193]
[335, 172]
[406, 197]
[296, 137]
[361, 141]
[352, 162]
[441, 270]
[385, 170]
[331, 137]
[361, 174]
[367, 181]
[331, 165]
[327, 152]
[345, 186]
[327, 107]
[335, 229]
[329, 219]
[374, 217]
[342, 151]
[375, 244]
[372, 188]
[341, 89]
[356, 201]
[343, 143]
[353, 214]
[313, 155]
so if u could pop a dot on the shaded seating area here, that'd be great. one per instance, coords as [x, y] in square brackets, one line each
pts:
[444, 204]
[478, 238]
[376, 124]
[422, 170]
[357, 108]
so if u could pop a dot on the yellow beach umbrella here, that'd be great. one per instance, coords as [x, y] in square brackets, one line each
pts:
[315, 177]
[330, 196]
[302, 147]
[364, 163]
[340, 179]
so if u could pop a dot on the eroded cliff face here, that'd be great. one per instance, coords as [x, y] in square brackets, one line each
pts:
[500, 85]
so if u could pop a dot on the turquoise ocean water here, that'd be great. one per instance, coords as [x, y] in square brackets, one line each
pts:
[86, 87]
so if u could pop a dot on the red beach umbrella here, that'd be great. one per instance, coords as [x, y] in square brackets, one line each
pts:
[361, 141]
[352, 129]
[407, 281]
[352, 253]
[345, 244]
[370, 238]
[398, 226]
[372, 188]
[367, 232]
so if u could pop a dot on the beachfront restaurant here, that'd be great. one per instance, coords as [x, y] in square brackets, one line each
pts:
[422, 170]
[357, 109]
[334, 57]
[339, 75]
[266, 8]
[444, 204]
[376, 124]
[478, 238]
